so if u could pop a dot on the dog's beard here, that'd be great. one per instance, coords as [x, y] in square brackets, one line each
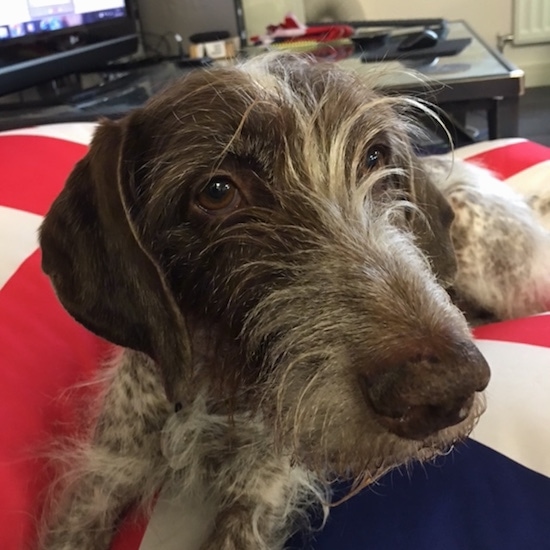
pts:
[330, 429]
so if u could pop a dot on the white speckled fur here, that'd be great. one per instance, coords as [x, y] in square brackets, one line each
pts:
[501, 240]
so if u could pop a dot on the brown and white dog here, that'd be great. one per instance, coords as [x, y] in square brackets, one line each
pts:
[266, 247]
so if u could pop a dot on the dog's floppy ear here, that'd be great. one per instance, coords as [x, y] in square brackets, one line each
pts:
[432, 227]
[101, 270]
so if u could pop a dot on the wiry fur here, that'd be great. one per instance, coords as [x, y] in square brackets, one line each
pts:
[304, 334]
[501, 240]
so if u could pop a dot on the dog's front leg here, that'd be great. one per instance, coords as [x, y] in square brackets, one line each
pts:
[122, 464]
[262, 496]
[256, 490]
[259, 514]
[244, 525]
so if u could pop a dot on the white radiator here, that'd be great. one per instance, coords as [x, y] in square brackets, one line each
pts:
[531, 21]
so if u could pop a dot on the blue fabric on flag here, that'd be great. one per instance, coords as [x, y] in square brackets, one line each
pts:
[472, 499]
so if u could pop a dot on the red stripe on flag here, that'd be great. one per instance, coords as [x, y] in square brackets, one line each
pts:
[530, 330]
[34, 170]
[509, 160]
[43, 353]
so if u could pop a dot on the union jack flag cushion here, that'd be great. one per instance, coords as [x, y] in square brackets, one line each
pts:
[491, 493]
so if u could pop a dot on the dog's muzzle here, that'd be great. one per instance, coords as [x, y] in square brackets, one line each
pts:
[416, 397]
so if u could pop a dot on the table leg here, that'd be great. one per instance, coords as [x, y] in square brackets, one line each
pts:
[503, 117]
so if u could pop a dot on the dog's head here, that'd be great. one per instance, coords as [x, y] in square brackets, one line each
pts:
[263, 231]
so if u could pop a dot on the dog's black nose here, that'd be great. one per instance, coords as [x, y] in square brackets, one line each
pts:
[416, 398]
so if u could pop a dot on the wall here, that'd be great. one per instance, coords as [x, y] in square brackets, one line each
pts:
[487, 17]
[260, 13]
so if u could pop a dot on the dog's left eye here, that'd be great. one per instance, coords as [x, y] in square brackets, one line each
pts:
[375, 156]
[219, 195]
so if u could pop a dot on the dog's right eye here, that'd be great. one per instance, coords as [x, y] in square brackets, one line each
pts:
[219, 195]
[375, 157]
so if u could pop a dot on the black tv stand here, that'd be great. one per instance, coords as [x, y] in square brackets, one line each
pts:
[71, 90]
[86, 97]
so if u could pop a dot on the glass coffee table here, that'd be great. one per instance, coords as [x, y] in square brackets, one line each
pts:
[478, 78]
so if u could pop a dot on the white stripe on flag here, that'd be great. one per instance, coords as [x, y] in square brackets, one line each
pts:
[484, 146]
[19, 239]
[533, 180]
[517, 421]
[77, 132]
[175, 524]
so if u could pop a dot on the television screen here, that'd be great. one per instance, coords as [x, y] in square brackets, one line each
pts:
[44, 39]
[20, 18]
